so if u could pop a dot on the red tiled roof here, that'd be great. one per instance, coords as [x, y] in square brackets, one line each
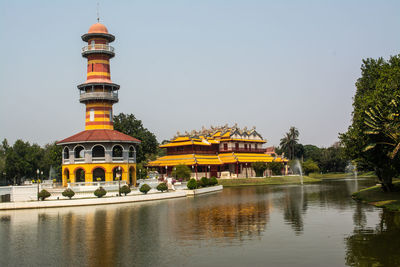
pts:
[98, 136]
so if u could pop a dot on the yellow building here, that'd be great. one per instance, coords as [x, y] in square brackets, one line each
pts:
[99, 153]
[225, 152]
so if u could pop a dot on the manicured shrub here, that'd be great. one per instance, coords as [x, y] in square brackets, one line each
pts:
[213, 181]
[68, 193]
[144, 188]
[124, 190]
[162, 187]
[44, 194]
[192, 184]
[100, 192]
[204, 182]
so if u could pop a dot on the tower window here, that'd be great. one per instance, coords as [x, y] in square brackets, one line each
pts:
[92, 67]
[111, 116]
[91, 114]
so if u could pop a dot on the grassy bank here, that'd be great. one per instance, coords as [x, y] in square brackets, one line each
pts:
[280, 180]
[375, 196]
[338, 175]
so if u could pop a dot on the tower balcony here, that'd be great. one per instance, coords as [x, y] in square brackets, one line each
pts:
[98, 48]
[110, 96]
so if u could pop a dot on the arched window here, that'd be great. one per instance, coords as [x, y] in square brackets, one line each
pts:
[99, 175]
[117, 151]
[79, 175]
[66, 174]
[117, 173]
[98, 151]
[66, 153]
[131, 152]
[79, 152]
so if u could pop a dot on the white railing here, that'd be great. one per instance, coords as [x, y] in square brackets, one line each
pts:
[118, 158]
[98, 47]
[102, 183]
[99, 95]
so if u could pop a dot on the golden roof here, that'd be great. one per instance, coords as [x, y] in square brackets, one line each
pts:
[223, 158]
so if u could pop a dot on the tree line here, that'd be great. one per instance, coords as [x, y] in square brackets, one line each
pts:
[313, 158]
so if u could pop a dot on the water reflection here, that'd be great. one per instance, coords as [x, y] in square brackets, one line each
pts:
[273, 224]
[239, 215]
[377, 246]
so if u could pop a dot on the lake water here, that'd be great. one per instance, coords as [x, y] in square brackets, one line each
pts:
[310, 225]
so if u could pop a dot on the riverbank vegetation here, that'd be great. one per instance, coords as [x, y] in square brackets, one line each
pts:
[339, 175]
[379, 198]
[276, 180]
[373, 138]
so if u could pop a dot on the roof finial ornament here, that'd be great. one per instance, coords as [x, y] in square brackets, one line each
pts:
[98, 13]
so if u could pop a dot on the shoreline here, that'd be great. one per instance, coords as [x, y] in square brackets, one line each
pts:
[274, 180]
[375, 196]
[77, 202]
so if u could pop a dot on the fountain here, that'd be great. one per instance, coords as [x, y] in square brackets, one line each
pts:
[297, 166]
[352, 169]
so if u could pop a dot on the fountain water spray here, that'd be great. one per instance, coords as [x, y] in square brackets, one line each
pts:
[297, 166]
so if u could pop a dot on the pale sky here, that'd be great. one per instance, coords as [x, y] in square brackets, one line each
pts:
[185, 64]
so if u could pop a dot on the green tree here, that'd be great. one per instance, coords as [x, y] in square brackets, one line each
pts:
[22, 161]
[289, 141]
[312, 152]
[310, 166]
[3, 150]
[52, 158]
[259, 167]
[378, 85]
[275, 167]
[332, 159]
[128, 124]
[141, 171]
[182, 171]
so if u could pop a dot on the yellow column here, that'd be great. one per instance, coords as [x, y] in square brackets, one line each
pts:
[88, 177]
[109, 176]
[72, 176]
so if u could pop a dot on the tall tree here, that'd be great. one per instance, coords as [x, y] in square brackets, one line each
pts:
[379, 84]
[128, 124]
[289, 141]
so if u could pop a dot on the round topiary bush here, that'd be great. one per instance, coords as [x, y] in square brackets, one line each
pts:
[213, 181]
[144, 188]
[68, 193]
[204, 182]
[44, 194]
[100, 192]
[162, 187]
[125, 190]
[192, 184]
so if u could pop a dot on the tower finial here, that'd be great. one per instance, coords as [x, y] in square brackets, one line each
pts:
[98, 15]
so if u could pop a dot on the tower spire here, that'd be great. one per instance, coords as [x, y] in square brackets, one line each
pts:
[98, 12]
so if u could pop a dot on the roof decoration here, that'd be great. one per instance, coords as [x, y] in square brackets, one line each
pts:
[216, 134]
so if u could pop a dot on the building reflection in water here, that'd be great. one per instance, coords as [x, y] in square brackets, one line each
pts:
[90, 236]
[239, 215]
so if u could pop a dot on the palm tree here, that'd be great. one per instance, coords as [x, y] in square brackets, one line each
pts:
[384, 126]
[289, 141]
